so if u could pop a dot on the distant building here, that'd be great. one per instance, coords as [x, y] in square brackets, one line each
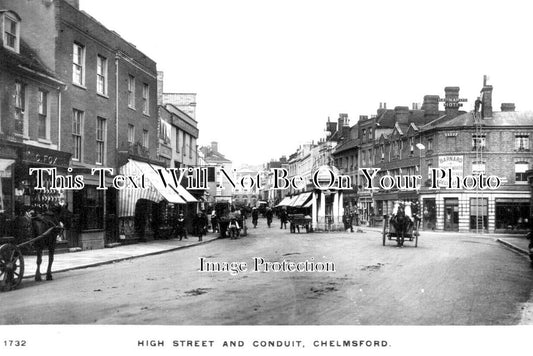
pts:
[185, 102]
[220, 189]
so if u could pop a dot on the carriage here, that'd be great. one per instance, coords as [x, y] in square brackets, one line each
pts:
[401, 226]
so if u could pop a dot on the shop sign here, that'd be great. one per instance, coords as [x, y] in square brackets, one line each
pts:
[48, 157]
[455, 163]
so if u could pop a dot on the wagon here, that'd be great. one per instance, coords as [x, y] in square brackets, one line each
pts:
[12, 263]
[391, 233]
[299, 220]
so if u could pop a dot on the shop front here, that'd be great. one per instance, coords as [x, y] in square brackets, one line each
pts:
[19, 189]
[150, 213]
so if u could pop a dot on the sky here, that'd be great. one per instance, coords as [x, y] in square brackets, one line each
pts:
[268, 74]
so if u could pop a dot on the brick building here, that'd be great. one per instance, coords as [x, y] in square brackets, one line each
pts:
[30, 95]
[475, 143]
[107, 116]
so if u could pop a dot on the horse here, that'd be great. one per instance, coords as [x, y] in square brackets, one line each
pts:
[41, 231]
[401, 222]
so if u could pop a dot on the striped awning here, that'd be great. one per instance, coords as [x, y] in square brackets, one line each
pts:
[308, 204]
[301, 200]
[284, 202]
[155, 190]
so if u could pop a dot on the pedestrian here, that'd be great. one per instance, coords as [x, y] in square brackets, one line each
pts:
[283, 218]
[214, 221]
[269, 215]
[255, 216]
[179, 227]
[199, 223]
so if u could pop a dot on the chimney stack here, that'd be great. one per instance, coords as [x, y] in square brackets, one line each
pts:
[451, 103]
[402, 114]
[382, 108]
[508, 107]
[214, 146]
[486, 101]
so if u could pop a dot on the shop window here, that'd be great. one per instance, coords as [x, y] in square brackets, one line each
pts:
[520, 169]
[479, 214]
[89, 205]
[6, 195]
[511, 214]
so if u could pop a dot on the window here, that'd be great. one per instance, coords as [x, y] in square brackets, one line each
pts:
[131, 133]
[451, 142]
[521, 142]
[11, 33]
[164, 131]
[364, 135]
[520, 169]
[190, 146]
[146, 101]
[100, 140]
[478, 142]
[145, 138]
[131, 91]
[78, 64]
[101, 75]
[20, 106]
[43, 114]
[77, 132]
[382, 149]
[177, 141]
[430, 144]
[412, 145]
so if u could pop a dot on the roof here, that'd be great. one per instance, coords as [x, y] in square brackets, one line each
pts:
[345, 145]
[498, 119]
[26, 58]
[386, 119]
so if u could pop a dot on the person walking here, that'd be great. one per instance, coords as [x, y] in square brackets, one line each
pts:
[283, 218]
[255, 216]
[179, 227]
[269, 215]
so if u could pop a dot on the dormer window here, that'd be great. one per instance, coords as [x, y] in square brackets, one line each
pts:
[11, 31]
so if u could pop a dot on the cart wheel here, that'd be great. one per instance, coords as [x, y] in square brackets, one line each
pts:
[11, 267]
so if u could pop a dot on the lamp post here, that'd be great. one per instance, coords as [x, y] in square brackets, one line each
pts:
[420, 147]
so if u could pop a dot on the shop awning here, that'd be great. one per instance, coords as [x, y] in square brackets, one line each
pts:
[181, 191]
[284, 202]
[301, 200]
[308, 204]
[155, 190]
[168, 193]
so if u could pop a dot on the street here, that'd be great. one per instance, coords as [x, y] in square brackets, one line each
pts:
[449, 279]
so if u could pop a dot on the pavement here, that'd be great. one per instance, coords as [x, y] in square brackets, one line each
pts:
[91, 258]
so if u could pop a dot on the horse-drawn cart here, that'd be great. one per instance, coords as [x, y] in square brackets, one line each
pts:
[12, 261]
[401, 225]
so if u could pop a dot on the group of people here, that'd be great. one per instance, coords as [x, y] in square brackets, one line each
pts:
[199, 224]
